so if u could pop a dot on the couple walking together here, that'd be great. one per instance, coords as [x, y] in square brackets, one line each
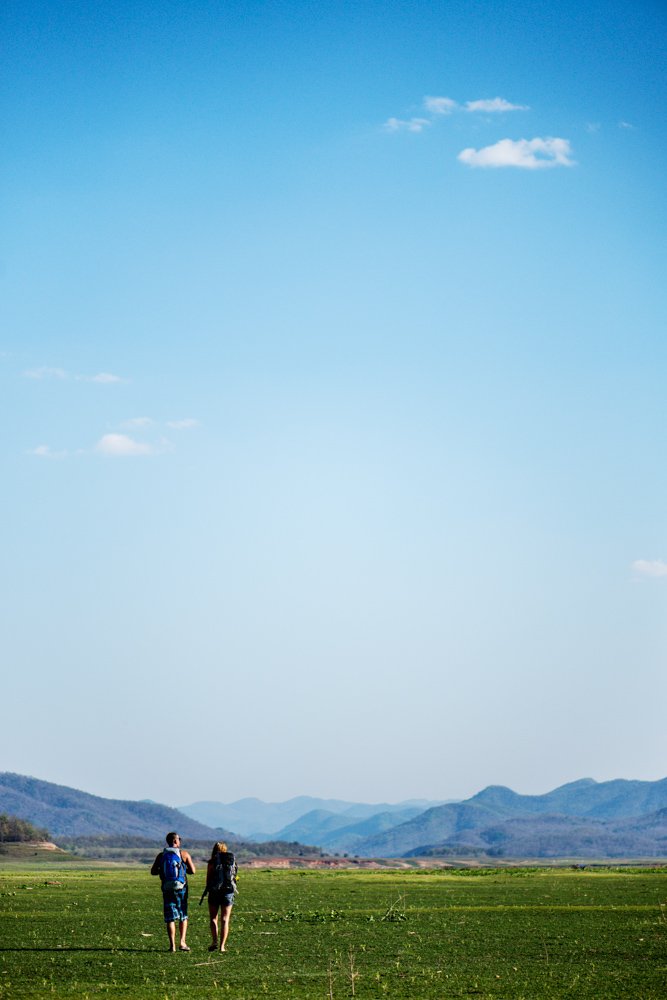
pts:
[173, 865]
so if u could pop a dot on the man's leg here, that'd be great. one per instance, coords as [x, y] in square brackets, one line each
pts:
[169, 919]
[183, 930]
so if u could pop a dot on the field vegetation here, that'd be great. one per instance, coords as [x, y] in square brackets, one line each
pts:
[78, 930]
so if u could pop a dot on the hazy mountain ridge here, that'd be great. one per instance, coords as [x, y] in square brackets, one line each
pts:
[250, 817]
[604, 800]
[562, 836]
[491, 811]
[618, 818]
[335, 832]
[69, 812]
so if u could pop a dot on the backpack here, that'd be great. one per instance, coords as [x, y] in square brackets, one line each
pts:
[173, 869]
[223, 876]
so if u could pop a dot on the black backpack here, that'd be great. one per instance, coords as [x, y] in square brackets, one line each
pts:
[223, 875]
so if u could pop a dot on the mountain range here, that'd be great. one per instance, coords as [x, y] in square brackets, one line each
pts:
[67, 812]
[261, 821]
[502, 823]
[585, 818]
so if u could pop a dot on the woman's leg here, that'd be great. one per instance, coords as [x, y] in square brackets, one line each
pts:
[213, 922]
[225, 915]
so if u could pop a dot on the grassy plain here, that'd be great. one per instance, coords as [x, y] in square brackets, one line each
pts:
[82, 931]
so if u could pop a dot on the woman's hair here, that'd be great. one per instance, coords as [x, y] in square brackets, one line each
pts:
[218, 848]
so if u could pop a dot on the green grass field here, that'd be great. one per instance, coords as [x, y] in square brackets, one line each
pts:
[83, 931]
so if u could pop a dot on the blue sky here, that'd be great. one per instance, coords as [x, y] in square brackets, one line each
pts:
[333, 367]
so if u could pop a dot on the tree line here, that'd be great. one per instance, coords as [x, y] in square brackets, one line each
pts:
[14, 830]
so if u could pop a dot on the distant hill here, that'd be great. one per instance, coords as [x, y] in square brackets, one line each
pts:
[603, 800]
[250, 817]
[259, 820]
[563, 836]
[68, 812]
[557, 823]
[335, 831]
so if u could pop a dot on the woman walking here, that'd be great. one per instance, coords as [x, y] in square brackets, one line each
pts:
[221, 887]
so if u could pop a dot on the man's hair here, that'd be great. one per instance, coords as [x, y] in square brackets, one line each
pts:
[170, 838]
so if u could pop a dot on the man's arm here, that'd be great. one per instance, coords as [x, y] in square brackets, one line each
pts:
[189, 863]
[157, 867]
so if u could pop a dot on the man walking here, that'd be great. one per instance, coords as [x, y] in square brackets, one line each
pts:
[173, 865]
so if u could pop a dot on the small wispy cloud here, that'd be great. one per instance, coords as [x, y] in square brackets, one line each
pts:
[593, 127]
[440, 105]
[406, 125]
[135, 437]
[44, 451]
[138, 422]
[183, 425]
[626, 125]
[494, 106]
[44, 372]
[142, 423]
[526, 154]
[122, 445]
[144, 440]
[653, 568]
[105, 378]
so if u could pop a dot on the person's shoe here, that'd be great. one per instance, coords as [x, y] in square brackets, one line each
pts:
[213, 947]
[183, 947]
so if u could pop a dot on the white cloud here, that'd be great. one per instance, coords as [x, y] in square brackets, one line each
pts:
[625, 125]
[593, 127]
[447, 106]
[527, 154]
[44, 451]
[59, 373]
[401, 125]
[182, 425]
[116, 445]
[121, 445]
[440, 105]
[495, 106]
[139, 422]
[650, 567]
[105, 377]
[45, 372]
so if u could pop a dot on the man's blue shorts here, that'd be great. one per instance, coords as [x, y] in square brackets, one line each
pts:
[175, 904]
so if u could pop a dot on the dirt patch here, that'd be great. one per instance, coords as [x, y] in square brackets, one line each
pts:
[337, 864]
